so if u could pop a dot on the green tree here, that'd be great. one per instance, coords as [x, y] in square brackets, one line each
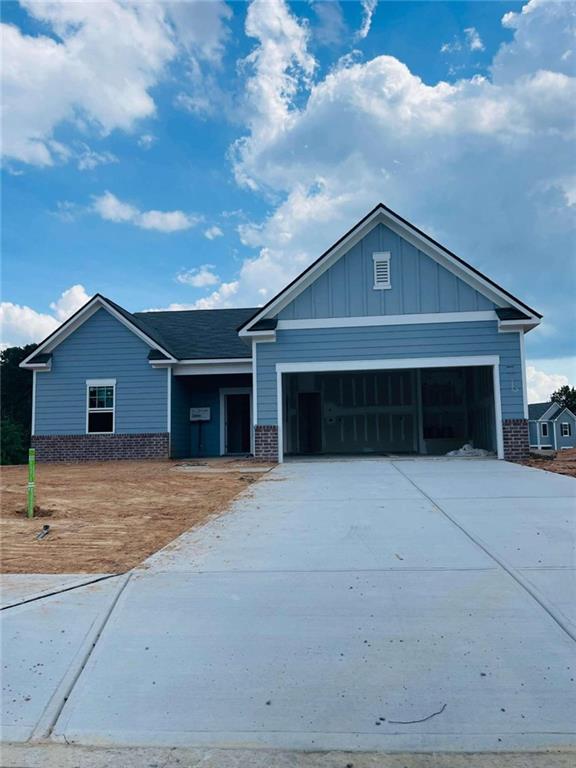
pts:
[566, 397]
[13, 445]
[15, 404]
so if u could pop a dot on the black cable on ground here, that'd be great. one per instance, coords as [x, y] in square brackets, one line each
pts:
[64, 589]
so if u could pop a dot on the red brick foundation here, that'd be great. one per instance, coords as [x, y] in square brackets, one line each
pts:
[266, 442]
[516, 440]
[101, 447]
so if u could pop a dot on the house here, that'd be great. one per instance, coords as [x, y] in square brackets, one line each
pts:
[551, 426]
[387, 343]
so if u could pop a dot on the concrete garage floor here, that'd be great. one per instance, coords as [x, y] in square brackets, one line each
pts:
[374, 605]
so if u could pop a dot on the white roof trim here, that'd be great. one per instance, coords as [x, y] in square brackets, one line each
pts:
[551, 407]
[73, 323]
[386, 217]
[565, 409]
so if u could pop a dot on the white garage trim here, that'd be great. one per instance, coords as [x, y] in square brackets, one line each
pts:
[330, 366]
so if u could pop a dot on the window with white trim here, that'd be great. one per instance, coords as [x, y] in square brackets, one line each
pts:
[381, 270]
[544, 430]
[100, 406]
[566, 429]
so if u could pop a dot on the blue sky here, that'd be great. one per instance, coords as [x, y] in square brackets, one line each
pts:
[200, 154]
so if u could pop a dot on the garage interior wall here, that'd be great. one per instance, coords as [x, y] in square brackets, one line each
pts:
[428, 411]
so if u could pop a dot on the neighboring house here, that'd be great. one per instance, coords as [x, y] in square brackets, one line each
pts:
[551, 426]
[388, 343]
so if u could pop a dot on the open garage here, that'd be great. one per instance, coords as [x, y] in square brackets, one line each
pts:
[427, 411]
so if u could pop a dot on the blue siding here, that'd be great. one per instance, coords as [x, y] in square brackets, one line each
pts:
[533, 432]
[565, 442]
[193, 392]
[102, 348]
[419, 284]
[392, 341]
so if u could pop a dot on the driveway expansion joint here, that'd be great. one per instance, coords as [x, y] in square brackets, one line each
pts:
[557, 616]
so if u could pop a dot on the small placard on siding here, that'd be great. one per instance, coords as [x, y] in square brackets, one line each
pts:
[199, 414]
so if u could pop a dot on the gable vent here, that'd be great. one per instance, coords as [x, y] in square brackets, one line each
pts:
[381, 270]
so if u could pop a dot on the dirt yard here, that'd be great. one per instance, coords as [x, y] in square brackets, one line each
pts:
[564, 462]
[106, 517]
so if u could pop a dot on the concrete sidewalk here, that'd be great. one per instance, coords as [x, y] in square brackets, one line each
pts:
[379, 605]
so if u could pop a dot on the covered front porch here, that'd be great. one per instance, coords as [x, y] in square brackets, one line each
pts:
[211, 415]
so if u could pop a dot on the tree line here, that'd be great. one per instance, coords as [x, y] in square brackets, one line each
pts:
[15, 405]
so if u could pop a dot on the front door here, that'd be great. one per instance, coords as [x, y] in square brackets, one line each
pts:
[237, 428]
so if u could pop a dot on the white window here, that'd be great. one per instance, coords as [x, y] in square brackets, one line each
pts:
[381, 270]
[544, 430]
[566, 429]
[100, 406]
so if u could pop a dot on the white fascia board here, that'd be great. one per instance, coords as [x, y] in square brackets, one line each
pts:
[85, 313]
[259, 335]
[410, 235]
[564, 410]
[37, 366]
[513, 326]
[545, 415]
[387, 364]
[372, 320]
[205, 369]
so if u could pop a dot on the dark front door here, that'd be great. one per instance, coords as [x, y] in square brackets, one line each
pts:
[309, 422]
[238, 423]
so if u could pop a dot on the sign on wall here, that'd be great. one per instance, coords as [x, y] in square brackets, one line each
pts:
[199, 414]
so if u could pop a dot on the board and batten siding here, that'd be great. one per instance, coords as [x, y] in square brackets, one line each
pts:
[418, 284]
[101, 348]
[390, 342]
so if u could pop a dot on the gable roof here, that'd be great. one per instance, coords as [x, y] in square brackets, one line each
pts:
[381, 213]
[551, 411]
[80, 316]
[174, 335]
[537, 410]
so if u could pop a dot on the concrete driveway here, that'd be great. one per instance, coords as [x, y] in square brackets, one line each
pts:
[355, 604]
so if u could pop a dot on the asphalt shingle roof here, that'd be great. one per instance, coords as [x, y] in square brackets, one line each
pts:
[197, 334]
[536, 410]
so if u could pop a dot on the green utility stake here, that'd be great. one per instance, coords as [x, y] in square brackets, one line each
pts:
[31, 481]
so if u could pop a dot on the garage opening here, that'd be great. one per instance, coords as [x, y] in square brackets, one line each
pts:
[423, 411]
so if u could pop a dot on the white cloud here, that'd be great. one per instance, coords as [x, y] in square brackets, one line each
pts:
[22, 325]
[470, 162]
[224, 296]
[95, 67]
[201, 277]
[330, 28]
[452, 47]
[473, 39]
[280, 67]
[368, 8]
[213, 232]
[146, 140]
[541, 385]
[110, 208]
[88, 159]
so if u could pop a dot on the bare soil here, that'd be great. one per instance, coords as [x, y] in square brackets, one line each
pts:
[564, 462]
[106, 517]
